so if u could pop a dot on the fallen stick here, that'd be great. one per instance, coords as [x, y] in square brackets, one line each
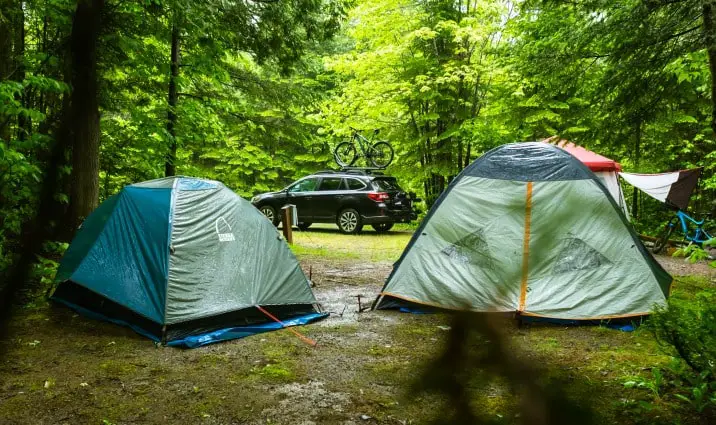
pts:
[653, 239]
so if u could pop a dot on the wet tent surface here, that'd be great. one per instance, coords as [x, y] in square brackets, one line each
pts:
[185, 261]
[527, 228]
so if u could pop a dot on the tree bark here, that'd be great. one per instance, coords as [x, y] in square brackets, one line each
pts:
[170, 162]
[84, 117]
[710, 40]
[23, 123]
[6, 59]
[637, 157]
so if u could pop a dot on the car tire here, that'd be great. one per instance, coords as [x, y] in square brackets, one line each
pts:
[304, 226]
[349, 221]
[270, 213]
[382, 227]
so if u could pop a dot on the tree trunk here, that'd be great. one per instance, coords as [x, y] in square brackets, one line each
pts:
[637, 157]
[170, 162]
[6, 59]
[459, 155]
[84, 117]
[710, 39]
[23, 123]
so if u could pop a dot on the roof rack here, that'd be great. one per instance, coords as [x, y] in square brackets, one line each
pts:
[363, 171]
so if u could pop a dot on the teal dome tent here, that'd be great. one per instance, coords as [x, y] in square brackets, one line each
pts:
[184, 261]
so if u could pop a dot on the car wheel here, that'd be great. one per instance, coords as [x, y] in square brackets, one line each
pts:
[304, 226]
[270, 213]
[349, 221]
[382, 227]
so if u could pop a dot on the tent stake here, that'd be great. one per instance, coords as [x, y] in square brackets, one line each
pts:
[361, 309]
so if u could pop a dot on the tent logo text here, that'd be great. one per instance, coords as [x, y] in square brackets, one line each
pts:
[225, 236]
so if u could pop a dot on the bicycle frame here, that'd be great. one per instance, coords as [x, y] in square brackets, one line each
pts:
[700, 236]
[362, 142]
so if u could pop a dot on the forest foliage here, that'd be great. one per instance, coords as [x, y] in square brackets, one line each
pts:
[98, 94]
[257, 93]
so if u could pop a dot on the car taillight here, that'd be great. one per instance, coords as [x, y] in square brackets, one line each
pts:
[378, 196]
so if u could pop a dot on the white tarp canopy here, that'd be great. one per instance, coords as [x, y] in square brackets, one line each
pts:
[673, 189]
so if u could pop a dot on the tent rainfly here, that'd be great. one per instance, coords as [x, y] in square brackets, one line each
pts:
[606, 169]
[186, 262]
[527, 228]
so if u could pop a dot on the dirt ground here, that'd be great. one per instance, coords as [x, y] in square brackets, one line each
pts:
[677, 266]
[62, 368]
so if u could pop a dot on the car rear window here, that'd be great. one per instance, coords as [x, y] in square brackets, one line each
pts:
[386, 184]
[355, 184]
[330, 183]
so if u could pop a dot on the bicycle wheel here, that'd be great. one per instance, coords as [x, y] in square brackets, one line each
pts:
[381, 154]
[345, 154]
[663, 239]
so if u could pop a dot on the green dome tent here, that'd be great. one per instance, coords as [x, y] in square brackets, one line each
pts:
[186, 262]
[527, 228]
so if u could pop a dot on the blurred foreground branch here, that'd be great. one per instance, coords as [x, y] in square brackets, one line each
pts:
[477, 351]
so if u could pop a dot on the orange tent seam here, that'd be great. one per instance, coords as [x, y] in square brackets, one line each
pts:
[526, 248]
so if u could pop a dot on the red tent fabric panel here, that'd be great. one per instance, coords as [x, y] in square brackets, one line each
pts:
[594, 161]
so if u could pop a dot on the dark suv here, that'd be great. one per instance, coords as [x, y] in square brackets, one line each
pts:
[348, 198]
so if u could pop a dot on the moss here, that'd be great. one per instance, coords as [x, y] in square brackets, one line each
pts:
[206, 406]
[117, 369]
[275, 373]
[549, 344]
[214, 360]
[378, 404]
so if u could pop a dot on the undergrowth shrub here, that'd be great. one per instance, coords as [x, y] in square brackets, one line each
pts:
[686, 329]
[42, 274]
[695, 253]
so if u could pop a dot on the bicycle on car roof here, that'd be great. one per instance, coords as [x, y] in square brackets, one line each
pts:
[379, 153]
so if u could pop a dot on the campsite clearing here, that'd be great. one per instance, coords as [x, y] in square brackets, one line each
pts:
[62, 368]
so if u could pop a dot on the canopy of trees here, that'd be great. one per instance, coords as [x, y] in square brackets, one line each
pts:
[256, 93]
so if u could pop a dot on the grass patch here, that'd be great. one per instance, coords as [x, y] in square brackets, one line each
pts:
[686, 287]
[310, 251]
[328, 243]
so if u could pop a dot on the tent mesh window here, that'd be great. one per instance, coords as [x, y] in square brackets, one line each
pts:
[472, 249]
[578, 255]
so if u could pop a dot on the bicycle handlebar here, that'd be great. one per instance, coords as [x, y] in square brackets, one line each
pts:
[357, 130]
